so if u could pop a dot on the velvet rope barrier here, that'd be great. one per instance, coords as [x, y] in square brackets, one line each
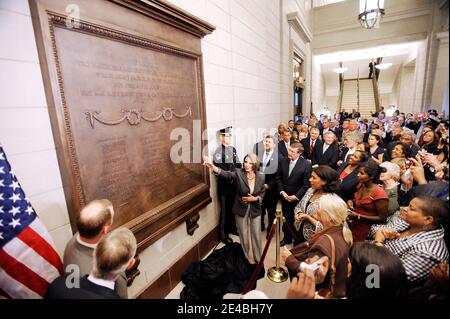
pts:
[285, 224]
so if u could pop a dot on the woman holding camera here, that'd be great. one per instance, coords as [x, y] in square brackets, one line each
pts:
[428, 142]
[392, 281]
[327, 249]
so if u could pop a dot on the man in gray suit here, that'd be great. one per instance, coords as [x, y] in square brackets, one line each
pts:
[93, 223]
[112, 256]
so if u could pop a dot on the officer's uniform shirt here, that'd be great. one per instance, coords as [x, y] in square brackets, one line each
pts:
[225, 157]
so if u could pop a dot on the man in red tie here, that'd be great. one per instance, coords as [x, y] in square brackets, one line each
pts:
[312, 145]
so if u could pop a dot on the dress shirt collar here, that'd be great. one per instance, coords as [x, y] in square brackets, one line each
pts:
[84, 243]
[102, 282]
[294, 161]
[268, 154]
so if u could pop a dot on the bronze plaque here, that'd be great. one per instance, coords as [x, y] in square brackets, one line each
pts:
[123, 104]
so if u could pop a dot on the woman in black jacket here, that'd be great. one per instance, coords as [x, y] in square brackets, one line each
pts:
[249, 184]
[348, 175]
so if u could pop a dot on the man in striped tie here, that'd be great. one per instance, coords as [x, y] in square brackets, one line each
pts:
[292, 181]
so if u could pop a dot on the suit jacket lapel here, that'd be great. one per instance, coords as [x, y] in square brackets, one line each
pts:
[244, 178]
[294, 168]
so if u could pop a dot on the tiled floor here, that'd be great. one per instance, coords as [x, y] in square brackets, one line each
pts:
[272, 289]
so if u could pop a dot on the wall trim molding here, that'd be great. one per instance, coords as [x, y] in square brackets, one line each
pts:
[442, 36]
[388, 39]
[299, 26]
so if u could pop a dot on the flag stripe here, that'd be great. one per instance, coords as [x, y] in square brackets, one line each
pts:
[40, 228]
[41, 246]
[23, 274]
[22, 253]
[15, 289]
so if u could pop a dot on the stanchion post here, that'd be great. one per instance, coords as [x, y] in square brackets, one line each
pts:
[277, 273]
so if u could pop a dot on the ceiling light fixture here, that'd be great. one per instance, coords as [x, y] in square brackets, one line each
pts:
[340, 70]
[383, 66]
[370, 13]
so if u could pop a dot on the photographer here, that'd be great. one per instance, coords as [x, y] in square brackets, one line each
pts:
[393, 282]
[443, 143]
[333, 241]
[436, 189]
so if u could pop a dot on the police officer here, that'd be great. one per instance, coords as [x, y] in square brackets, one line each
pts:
[225, 157]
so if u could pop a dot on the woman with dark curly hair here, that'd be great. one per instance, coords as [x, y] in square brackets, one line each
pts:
[371, 202]
[324, 180]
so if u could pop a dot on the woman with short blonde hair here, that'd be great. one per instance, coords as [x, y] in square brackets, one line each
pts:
[332, 213]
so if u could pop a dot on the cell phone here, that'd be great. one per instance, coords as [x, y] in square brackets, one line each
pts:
[314, 267]
[409, 163]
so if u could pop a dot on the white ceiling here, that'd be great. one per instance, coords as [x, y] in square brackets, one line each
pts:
[319, 3]
[357, 62]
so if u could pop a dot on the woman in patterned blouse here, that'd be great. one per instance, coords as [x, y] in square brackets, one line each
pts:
[323, 180]
[422, 246]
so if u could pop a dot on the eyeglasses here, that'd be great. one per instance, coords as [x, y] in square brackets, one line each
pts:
[383, 169]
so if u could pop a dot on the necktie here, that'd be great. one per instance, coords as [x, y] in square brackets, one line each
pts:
[291, 167]
[311, 148]
[265, 160]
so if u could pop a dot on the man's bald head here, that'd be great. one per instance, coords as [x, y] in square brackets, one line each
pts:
[94, 217]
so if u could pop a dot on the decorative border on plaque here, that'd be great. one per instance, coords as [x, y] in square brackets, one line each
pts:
[59, 20]
[67, 126]
[134, 116]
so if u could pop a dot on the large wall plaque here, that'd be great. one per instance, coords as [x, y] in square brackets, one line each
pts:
[120, 77]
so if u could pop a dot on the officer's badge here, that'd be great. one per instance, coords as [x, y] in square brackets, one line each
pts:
[218, 157]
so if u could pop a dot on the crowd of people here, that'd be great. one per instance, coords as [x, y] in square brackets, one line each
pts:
[365, 205]
[354, 193]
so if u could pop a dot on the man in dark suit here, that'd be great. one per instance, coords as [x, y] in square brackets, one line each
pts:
[283, 145]
[329, 153]
[112, 255]
[258, 148]
[291, 125]
[407, 138]
[225, 157]
[269, 166]
[334, 126]
[292, 181]
[325, 127]
[312, 145]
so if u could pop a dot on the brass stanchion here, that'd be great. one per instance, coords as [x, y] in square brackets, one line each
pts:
[277, 273]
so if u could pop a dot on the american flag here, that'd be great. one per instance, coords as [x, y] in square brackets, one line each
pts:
[28, 259]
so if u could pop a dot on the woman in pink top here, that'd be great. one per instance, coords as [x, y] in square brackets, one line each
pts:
[370, 205]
